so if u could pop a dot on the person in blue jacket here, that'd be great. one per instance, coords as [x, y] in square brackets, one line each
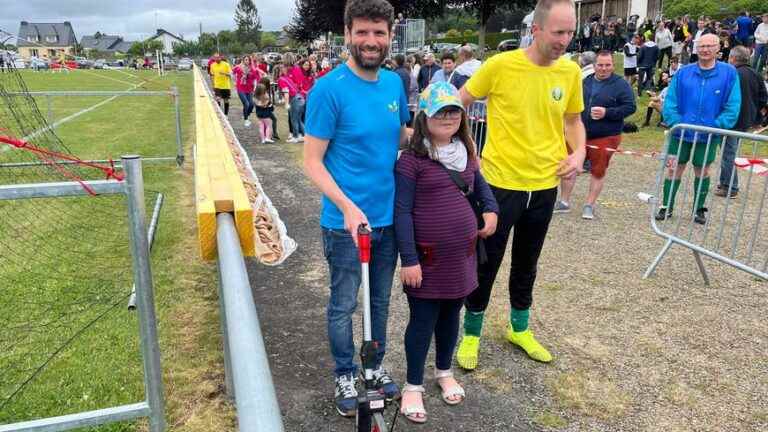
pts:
[608, 100]
[705, 93]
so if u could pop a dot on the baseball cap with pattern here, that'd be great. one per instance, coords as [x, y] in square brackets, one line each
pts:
[438, 96]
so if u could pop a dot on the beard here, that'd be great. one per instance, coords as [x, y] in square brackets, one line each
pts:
[371, 65]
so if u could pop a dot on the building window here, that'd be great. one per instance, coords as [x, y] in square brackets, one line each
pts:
[33, 52]
[33, 38]
[51, 38]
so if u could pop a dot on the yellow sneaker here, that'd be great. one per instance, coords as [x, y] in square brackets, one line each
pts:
[467, 354]
[529, 344]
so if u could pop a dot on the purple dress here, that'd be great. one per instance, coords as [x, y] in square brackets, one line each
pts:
[436, 226]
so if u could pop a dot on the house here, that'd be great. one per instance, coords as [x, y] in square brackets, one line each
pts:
[619, 9]
[105, 43]
[168, 39]
[46, 40]
[281, 42]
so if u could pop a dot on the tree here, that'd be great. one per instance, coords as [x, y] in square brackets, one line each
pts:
[314, 18]
[714, 8]
[485, 9]
[248, 22]
[268, 39]
[147, 47]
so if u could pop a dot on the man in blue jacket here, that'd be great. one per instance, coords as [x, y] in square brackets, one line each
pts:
[608, 100]
[705, 93]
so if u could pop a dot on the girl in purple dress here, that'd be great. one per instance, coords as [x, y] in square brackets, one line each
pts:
[437, 232]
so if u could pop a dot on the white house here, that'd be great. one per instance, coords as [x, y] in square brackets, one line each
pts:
[168, 39]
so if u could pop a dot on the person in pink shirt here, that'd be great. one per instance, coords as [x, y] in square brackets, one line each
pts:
[307, 77]
[246, 76]
[290, 85]
[260, 64]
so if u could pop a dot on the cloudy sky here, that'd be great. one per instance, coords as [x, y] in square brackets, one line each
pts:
[135, 19]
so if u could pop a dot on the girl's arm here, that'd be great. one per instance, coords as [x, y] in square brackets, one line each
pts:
[405, 192]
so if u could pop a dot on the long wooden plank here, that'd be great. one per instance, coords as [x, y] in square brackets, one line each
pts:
[218, 186]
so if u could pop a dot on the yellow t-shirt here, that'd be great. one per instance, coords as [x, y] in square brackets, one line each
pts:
[526, 105]
[221, 75]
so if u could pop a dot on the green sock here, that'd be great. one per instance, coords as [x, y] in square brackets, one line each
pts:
[473, 323]
[670, 191]
[519, 319]
[701, 197]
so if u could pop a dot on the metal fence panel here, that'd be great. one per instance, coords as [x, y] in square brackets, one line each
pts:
[732, 229]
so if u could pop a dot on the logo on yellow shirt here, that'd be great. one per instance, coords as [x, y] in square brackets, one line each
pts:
[557, 94]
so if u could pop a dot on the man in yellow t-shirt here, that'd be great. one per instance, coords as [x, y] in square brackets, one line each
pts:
[534, 105]
[221, 74]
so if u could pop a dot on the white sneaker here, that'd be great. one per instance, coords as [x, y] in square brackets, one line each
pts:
[247, 123]
[269, 140]
[300, 138]
[292, 140]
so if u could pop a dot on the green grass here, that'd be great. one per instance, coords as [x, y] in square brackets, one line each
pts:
[69, 259]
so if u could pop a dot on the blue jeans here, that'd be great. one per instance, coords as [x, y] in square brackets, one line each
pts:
[297, 114]
[730, 146]
[247, 100]
[344, 266]
[761, 56]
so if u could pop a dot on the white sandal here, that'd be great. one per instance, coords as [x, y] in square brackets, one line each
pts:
[410, 411]
[453, 391]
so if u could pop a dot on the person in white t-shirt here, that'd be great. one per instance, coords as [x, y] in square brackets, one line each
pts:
[630, 59]
[761, 45]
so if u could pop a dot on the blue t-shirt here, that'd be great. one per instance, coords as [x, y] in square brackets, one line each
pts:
[745, 27]
[361, 120]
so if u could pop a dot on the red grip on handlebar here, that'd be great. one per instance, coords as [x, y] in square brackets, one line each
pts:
[364, 243]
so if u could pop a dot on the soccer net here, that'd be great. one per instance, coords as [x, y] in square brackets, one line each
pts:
[65, 269]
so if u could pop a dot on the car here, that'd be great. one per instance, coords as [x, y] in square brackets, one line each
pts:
[185, 64]
[274, 57]
[99, 64]
[508, 45]
[37, 64]
[83, 63]
[19, 64]
[443, 47]
[115, 64]
[170, 64]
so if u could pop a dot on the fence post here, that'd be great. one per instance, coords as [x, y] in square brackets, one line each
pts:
[177, 109]
[142, 275]
[49, 103]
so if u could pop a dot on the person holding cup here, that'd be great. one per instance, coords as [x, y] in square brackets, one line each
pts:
[608, 100]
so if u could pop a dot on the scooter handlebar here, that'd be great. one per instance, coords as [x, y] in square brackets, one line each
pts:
[364, 243]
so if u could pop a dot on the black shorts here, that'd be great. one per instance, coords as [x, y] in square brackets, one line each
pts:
[630, 71]
[222, 93]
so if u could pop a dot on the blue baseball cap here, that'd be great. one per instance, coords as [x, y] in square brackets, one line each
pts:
[438, 96]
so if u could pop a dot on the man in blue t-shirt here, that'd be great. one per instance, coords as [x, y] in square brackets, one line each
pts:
[744, 31]
[356, 118]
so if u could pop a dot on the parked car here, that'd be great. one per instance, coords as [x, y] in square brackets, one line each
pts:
[508, 44]
[274, 57]
[38, 64]
[115, 64]
[446, 47]
[170, 64]
[99, 64]
[185, 64]
[19, 64]
[83, 63]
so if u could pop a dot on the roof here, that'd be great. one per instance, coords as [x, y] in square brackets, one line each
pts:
[40, 32]
[100, 42]
[160, 32]
[123, 46]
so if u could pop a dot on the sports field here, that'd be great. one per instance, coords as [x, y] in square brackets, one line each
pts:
[67, 273]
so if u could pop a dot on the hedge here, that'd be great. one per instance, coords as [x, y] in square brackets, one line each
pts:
[491, 39]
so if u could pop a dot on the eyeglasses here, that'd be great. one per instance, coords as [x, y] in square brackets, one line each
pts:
[448, 114]
[709, 46]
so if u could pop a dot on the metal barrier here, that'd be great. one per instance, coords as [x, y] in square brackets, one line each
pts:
[246, 367]
[408, 36]
[53, 124]
[731, 229]
[153, 405]
[477, 114]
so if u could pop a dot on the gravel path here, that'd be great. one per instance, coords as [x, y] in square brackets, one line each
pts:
[663, 354]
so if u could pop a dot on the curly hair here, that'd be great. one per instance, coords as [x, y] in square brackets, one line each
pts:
[375, 10]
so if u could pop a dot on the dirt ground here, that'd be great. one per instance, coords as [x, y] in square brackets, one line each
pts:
[663, 354]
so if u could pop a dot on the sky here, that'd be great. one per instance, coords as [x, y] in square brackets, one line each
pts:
[136, 19]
